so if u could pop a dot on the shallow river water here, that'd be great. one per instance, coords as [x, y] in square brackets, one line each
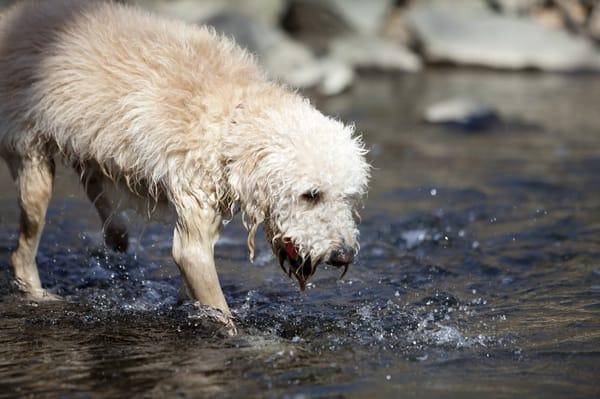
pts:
[479, 274]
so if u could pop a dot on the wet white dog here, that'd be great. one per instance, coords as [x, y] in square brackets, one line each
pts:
[175, 117]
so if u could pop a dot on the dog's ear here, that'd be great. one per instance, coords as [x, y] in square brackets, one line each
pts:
[249, 192]
[251, 222]
[246, 176]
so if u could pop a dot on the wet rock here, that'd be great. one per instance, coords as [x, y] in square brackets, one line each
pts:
[364, 16]
[594, 23]
[396, 28]
[462, 113]
[573, 12]
[368, 52]
[549, 17]
[467, 36]
[283, 57]
[337, 76]
[464, 5]
[358, 16]
[265, 11]
[313, 21]
[348, 31]
[515, 7]
[291, 62]
[256, 37]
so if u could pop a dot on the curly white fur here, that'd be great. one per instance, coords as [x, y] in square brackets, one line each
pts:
[178, 114]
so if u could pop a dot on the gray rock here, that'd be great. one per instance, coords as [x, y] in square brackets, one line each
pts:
[365, 16]
[360, 16]
[516, 7]
[396, 28]
[186, 10]
[284, 58]
[293, 63]
[267, 12]
[463, 113]
[373, 53]
[254, 36]
[465, 36]
[337, 76]
[594, 23]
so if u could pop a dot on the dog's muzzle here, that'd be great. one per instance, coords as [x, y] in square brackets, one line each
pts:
[304, 268]
[341, 257]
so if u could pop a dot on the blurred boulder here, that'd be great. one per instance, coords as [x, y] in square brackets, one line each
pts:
[337, 76]
[283, 57]
[462, 35]
[594, 23]
[186, 10]
[338, 16]
[366, 17]
[396, 28]
[557, 14]
[268, 12]
[516, 7]
[313, 21]
[573, 12]
[347, 31]
[254, 36]
[550, 17]
[463, 113]
[368, 52]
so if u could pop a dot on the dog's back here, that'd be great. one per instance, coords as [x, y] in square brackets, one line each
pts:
[107, 82]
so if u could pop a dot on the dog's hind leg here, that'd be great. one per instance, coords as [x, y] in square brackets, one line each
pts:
[114, 224]
[34, 178]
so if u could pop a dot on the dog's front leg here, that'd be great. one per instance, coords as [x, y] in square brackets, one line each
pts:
[194, 240]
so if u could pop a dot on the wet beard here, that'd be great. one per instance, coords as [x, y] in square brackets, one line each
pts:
[302, 269]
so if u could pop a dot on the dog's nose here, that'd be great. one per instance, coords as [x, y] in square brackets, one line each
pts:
[341, 256]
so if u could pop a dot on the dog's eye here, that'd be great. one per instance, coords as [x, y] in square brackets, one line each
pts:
[312, 196]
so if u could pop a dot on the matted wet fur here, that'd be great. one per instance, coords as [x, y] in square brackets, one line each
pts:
[176, 116]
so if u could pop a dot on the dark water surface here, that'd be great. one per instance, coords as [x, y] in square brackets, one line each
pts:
[479, 274]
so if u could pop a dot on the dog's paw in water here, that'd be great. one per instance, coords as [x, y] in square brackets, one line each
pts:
[40, 295]
[212, 319]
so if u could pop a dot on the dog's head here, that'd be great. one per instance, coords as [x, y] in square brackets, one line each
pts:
[304, 176]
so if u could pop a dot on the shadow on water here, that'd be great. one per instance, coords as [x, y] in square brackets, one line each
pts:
[478, 274]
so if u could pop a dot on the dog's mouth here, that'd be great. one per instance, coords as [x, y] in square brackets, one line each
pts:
[294, 265]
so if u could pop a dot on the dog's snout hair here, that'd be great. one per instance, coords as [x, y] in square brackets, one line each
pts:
[174, 117]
